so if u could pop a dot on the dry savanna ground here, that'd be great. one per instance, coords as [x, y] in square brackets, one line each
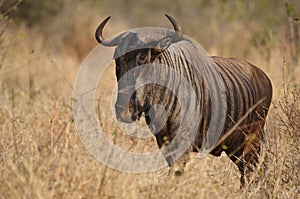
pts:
[41, 154]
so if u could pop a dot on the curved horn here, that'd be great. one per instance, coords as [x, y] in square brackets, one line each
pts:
[99, 30]
[176, 26]
[99, 36]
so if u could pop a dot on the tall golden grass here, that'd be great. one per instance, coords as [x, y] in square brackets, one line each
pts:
[41, 155]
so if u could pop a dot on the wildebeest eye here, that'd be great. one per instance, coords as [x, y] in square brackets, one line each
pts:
[141, 58]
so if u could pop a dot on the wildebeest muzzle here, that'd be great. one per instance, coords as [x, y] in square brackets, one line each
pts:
[126, 107]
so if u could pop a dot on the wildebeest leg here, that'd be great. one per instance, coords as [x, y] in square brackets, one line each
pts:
[247, 158]
[177, 167]
[247, 165]
[245, 168]
[241, 166]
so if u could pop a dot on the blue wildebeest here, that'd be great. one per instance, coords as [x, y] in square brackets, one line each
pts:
[248, 94]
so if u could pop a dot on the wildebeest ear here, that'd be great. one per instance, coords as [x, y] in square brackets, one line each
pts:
[163, 44]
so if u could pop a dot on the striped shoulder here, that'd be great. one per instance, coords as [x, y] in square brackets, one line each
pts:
[235, 64]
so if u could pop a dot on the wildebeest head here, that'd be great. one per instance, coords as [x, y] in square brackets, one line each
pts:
[134, 49]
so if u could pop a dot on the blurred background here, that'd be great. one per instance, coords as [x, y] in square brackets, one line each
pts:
[265, 33]
[43, 43]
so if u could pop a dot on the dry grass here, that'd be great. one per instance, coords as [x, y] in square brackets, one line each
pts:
[41, 155]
